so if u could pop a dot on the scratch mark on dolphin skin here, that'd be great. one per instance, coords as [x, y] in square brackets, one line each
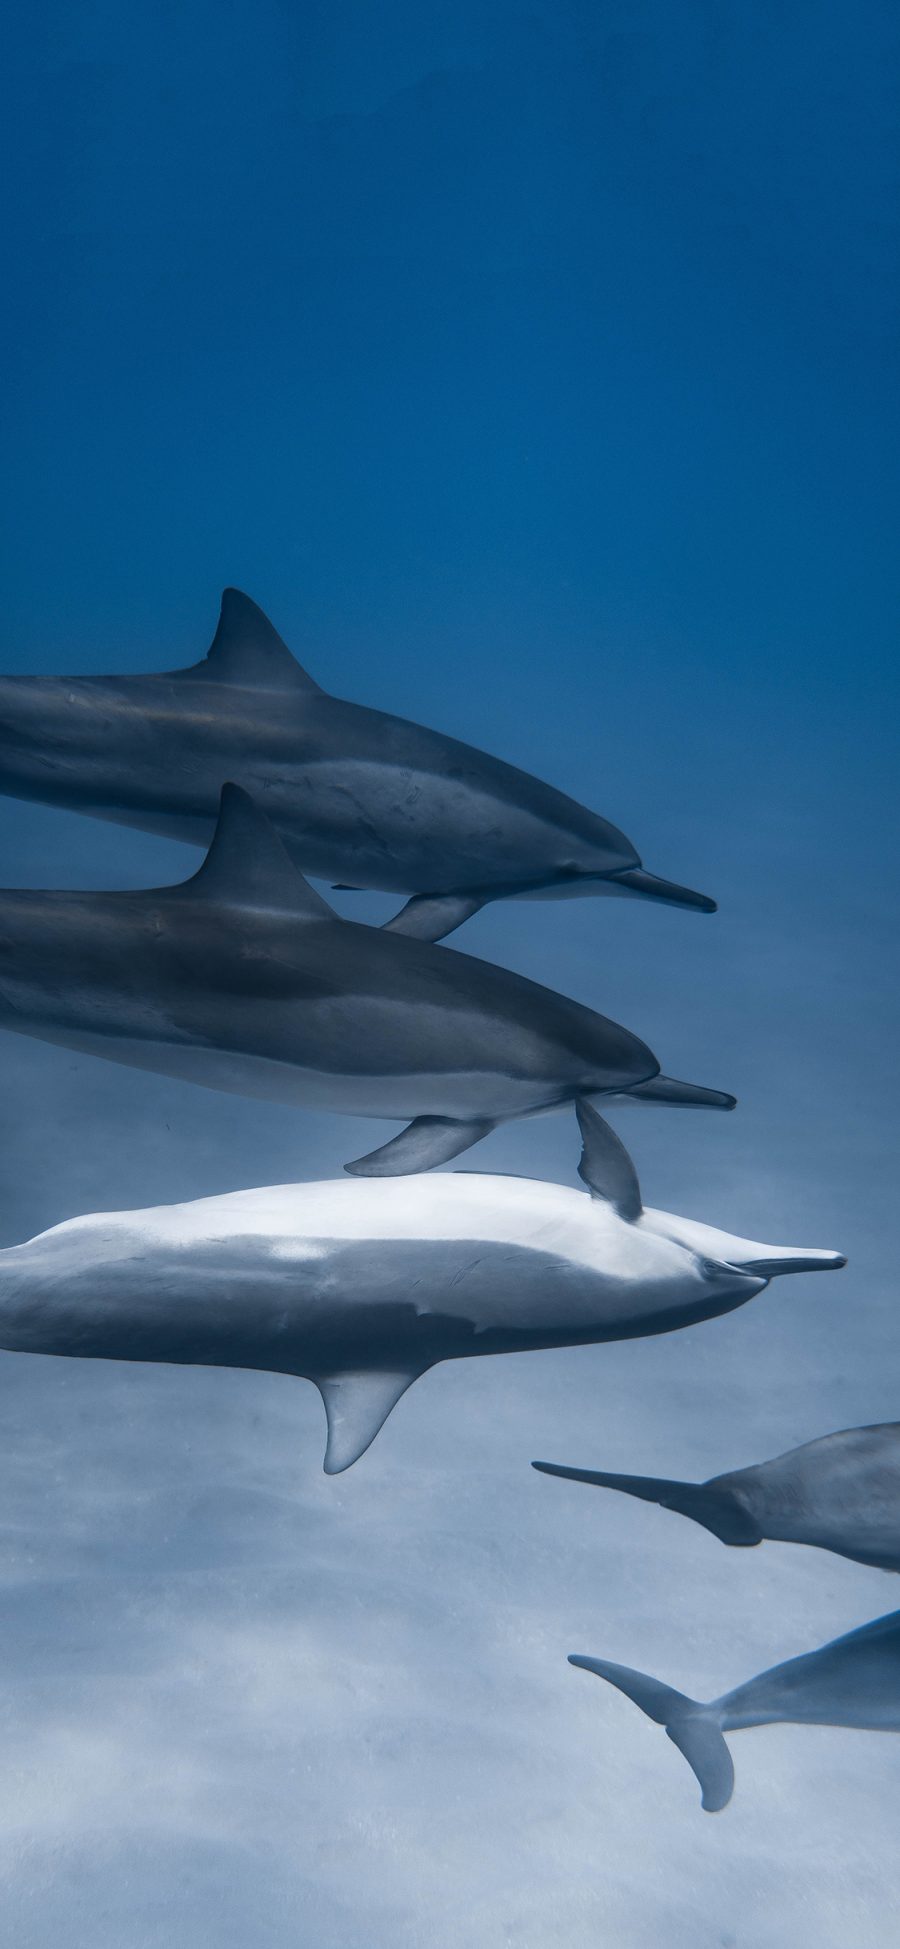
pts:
[465, 1271]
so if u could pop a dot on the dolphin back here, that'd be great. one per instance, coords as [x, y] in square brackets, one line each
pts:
[694, 1728]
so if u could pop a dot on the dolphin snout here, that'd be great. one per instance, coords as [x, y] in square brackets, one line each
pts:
[687, 1096]
[799, 1261]
[648, 886]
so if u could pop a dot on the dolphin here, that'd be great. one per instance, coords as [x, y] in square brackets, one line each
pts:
[362, 1286]
[839, 1493]
[244, 979]
[356, 795]
[854, 1681]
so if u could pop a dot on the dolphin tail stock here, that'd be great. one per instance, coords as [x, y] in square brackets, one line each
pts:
[685, 1096]
[432, 916]
[425, 1142]
[357, 1405]
[717, 1508]
[694, 1728]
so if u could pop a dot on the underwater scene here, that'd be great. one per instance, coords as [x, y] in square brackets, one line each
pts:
[448, 977]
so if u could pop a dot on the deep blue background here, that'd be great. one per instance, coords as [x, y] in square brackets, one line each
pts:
[536, 368]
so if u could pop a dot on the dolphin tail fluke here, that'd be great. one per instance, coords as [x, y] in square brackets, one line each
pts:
[425, 1142]
[357, 1406]
[718, 1509]
[694, 1728]
[686, 1096]
[432, 916]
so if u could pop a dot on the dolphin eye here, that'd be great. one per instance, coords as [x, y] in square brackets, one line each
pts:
[711, 1269]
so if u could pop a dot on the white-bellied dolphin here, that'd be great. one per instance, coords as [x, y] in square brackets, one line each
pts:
[854, 1681]
[362, 1286]
[244, 979]
[839, 1493]
[356, 795]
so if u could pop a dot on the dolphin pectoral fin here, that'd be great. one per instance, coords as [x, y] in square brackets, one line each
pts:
[688, 1096]
[717, 1508]
[431, 916]
[425, 1142]
[248, 865]
[357, 1405]
[694, 1728]
[248, 652]
[605, 1166]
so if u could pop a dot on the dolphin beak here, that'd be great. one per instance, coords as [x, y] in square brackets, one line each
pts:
[635, 880]
[799, 1261]
[688, 1096]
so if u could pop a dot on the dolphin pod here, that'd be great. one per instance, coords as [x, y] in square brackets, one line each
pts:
[355, 794]
[244, 979]
[840, 1493]
[361, 1287]
[854, 1681]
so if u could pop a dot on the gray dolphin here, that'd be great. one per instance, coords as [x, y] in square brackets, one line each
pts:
[839, 1493]
[362, 1286]
[854, 1681]
[244, 979]
[355, 794]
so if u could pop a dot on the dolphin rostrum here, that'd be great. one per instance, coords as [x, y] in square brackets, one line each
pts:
[361, 1287]
[839, 1493]
[356, 794]
[244, 979]
[854, 1681]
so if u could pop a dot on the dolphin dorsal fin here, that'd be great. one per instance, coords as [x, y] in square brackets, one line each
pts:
[357, 1406]
[248, 866]
[248, 651]
[605, 1166]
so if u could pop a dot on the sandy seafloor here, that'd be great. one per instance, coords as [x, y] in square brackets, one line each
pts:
[536, 373]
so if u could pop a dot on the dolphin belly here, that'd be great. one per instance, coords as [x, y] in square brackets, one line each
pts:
[385, 826]
[398, 822]
[420, 812]
[449, 1094]
[303, 1305]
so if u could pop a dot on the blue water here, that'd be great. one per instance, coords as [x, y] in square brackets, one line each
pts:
[536, 369]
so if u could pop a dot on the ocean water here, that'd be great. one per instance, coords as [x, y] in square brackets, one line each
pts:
[536, 369]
